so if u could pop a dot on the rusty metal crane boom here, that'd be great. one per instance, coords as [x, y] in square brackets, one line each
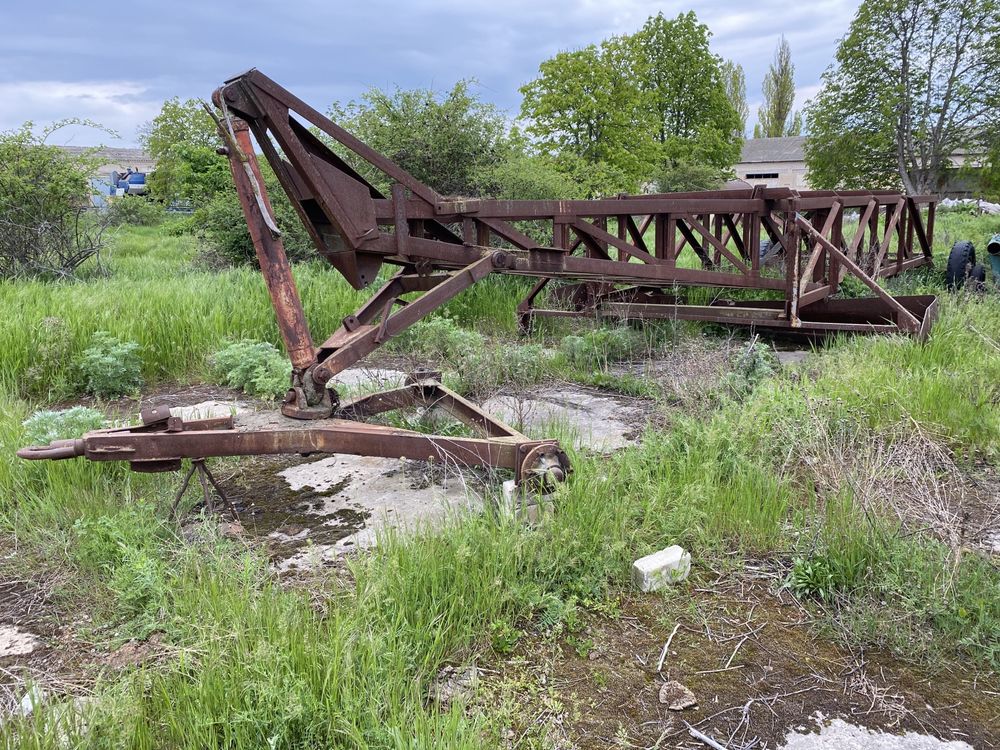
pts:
[630, 256]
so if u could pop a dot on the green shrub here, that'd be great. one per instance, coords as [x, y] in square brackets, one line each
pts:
[598, 348]
[755, 364]
[220, 223]
[44, 377]
[255, 367]
[123, 548]
[110, 367]
[440, 339]
[136, 211]
[42, 427]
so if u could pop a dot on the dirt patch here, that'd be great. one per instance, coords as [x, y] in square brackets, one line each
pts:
[752, 662]
[39, 643]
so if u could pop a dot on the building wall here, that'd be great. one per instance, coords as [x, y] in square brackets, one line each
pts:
[789, 174]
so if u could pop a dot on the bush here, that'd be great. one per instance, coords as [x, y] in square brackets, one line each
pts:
[45, 377]
[440, 339]
[755, 364]
[598, 348]
[135, 211]
[255, 367]
[220, 223]
[42, 427]
[45, 228]
[110, 367]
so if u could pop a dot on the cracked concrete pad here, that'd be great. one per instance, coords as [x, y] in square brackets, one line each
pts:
[362, 495]
[588, 419]
[367, 379]
[209, 410]
[17, 642]
[840, 735]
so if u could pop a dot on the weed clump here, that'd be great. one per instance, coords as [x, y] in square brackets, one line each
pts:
[479, 367]
[135, 211]
[255, 367]
[596, 349]
[42, 427]
[110, 367]
[754, 365]
[53, 347]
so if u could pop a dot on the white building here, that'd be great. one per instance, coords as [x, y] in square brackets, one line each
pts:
[775, 162]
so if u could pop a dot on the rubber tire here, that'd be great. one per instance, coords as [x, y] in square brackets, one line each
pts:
[977, 278]
[961, 259]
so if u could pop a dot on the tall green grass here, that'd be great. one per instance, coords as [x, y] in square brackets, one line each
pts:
[253, 664]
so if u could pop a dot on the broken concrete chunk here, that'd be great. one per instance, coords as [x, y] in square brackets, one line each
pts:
[653, 572]
[454, 685]
[208, 410]
[17, 642]
[676, 696]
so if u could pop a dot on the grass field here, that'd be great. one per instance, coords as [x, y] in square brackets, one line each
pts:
[778, 468]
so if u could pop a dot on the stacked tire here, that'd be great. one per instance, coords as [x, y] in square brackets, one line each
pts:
[962, 268]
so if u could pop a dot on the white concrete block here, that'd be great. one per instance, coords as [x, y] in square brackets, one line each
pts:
[655, 571]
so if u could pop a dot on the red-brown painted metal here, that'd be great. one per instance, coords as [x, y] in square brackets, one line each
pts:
[630, 256]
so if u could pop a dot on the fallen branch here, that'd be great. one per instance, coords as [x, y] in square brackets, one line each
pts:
[663, 654]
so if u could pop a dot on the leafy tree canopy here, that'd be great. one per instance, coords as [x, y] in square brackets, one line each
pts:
[914, 82]
[444, 140]
[636, 103]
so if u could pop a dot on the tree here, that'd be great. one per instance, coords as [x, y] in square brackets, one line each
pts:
[637, 105]
[442, 140]
[182, 139]
[735, 82]
[914, 81]
[44, 196]
[586, 105]
[775, 117]
[685, 92]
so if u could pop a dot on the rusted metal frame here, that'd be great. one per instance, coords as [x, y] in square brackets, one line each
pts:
[428, 394]
[918, 226]
[438, 396]
[905, 319]
[347, 347]
[512, 235]
[337, 133]
[774, 232]
[576, 267]
[733, 231]
[355, 220]
[637, 234]
[525, 308]
[534, 210]
[818, 249]
[595, 249]
[717, 243]
[271, 256]
[890, 229]
[598, 233]
[893, 269]
[689, 237]
[837, 238]
[327, 436]
[864, 224]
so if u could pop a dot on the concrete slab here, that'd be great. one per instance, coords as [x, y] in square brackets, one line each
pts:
[367, 379]
[588, 419]
[353, 498]
[209, 410]
[840, 735]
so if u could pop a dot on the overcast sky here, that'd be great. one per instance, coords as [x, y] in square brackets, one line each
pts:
[115, 62]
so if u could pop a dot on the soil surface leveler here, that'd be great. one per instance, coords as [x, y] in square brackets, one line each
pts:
[630, 257]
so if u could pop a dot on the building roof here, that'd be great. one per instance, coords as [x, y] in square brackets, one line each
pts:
[759, 150]
[112, 155]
